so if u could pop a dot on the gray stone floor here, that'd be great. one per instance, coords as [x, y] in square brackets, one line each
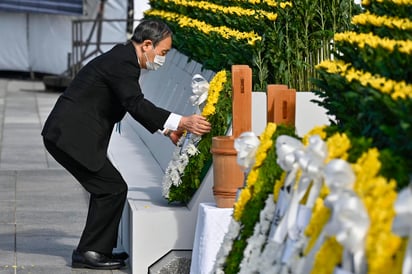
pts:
[42, 207]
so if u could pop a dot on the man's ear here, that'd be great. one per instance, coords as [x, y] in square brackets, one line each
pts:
[147, 44]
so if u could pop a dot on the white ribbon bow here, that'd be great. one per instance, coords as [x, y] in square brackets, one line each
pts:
[288, 150]
[349, 223]
[338, 175]
[291, 157]
[246, 145]
[312, 164]
[402, 224]
[200, 88]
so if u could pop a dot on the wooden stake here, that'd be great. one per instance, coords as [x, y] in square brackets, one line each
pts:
[242, 99]
[271, 93]
[281, 104]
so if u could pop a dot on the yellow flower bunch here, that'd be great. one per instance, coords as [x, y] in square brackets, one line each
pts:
[265, 143]
[278, 185]
[238, 11]
[397, 2]
[379, 21]
[396, 89]
[215, 87]
[239, 206]
[225, 32]
[318, 130]
[328, 256]
[378, 196]
[270, 3]
[374, 41]
[400, 256]
[320, 216]
[338, 146]
[283, 5]
[252, 187]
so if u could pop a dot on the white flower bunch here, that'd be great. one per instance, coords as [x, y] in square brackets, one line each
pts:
[256, 243]
[185, 148]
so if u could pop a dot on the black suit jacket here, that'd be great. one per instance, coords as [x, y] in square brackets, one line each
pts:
[83, 117]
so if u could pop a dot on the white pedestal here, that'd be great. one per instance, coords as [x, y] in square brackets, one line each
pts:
[211, 227]
[308, 114]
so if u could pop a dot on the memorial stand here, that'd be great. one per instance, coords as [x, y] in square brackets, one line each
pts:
[281, 104]
[227, 174]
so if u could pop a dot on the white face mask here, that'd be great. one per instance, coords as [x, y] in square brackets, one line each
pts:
[157, 62]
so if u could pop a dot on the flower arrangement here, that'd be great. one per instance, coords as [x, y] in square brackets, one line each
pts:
[379, 196]
[280, 40]
[383, 248]
[207, 29]
[251, 184]
[192, 158]
[260, 183]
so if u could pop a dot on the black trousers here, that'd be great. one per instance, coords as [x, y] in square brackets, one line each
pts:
[108, 192]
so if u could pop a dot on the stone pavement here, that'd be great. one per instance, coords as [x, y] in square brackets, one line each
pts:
[42, 207]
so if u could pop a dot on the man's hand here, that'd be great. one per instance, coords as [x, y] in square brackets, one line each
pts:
[175, 135]
[195, 124]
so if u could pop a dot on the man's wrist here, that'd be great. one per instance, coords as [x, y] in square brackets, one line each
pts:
[172, 121]
[181, 123]
[167, 132]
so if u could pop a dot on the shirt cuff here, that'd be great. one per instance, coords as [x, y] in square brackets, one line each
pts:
[172, 121]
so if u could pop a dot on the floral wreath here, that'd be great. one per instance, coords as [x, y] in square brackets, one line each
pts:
[254, 210]
[191, 158]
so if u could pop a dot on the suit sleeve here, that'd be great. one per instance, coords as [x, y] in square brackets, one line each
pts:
[124, 80]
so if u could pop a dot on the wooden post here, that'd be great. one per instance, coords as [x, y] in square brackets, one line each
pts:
[271, 93]
[281, 104]
[242, 99]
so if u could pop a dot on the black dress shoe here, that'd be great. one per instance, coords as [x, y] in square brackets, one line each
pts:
[95, 260]
[120, 256]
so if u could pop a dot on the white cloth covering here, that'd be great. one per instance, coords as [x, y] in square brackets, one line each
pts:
[211, 227]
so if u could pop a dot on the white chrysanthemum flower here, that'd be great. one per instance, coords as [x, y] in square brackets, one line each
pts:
[192, 150]
[166, 187]
[184, 160]
[175, 178]
[181, 167]
[176, 156]
[185, 148]
[255, 243]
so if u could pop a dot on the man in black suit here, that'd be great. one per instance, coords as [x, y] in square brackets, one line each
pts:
[78, 130]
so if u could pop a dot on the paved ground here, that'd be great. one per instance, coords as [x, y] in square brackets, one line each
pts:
[42, 208]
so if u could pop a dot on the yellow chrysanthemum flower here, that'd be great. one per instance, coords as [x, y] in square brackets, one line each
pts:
[374, 41]
[397, 89]
[338, 146]
[328, 257]
[318, 130]
[277, 186]
[223, 31]
[252, 179]
[244, 197]
[320, 216]
[368, 18]
[215, 87]
[379, 196]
